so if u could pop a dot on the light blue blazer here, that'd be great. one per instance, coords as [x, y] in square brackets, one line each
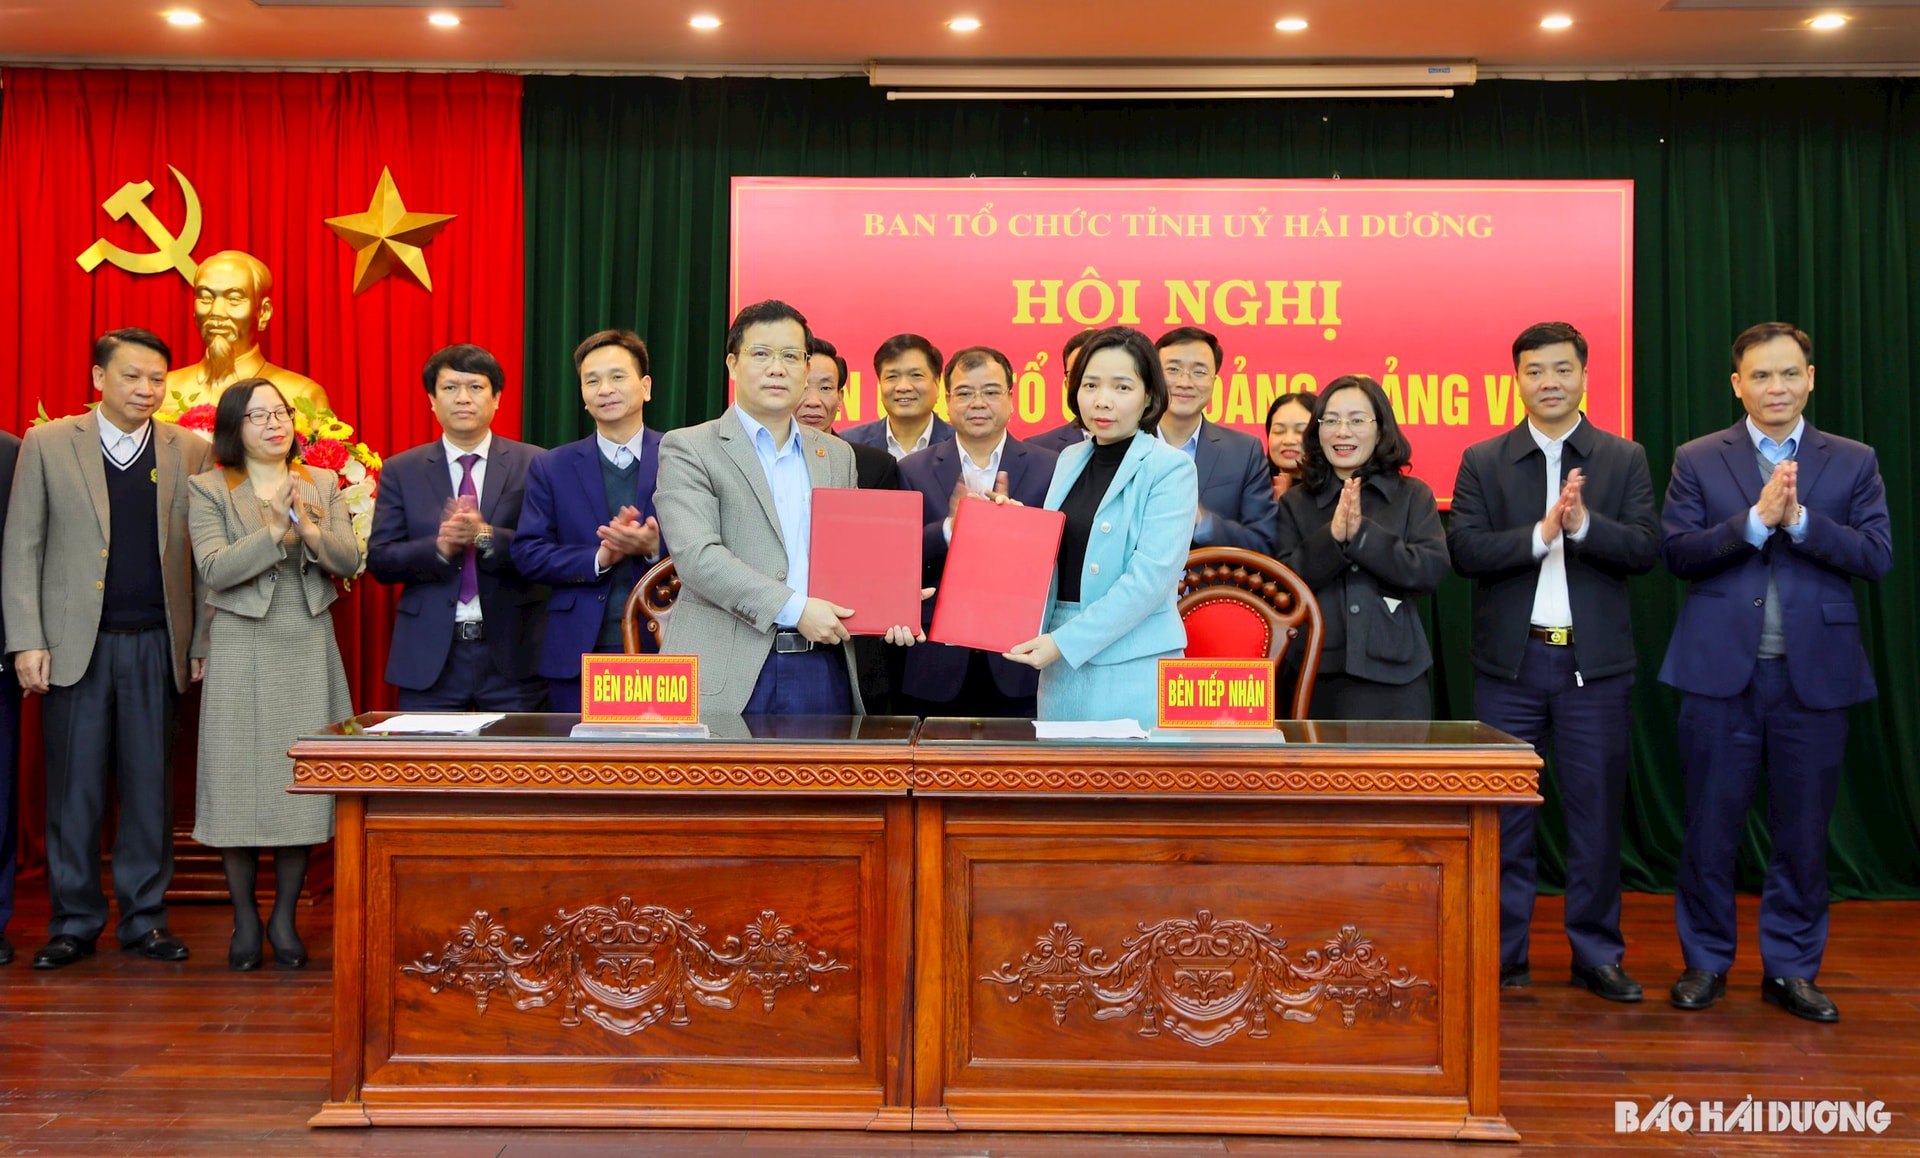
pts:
[1137, 550]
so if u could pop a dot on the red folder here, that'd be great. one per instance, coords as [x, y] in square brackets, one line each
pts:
[866, 555]
[993, 591]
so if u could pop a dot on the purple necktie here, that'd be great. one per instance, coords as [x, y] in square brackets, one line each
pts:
[469, 570]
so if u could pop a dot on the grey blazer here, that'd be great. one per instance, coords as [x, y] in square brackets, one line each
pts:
[236, 553]
[716, 509]
[56, 544]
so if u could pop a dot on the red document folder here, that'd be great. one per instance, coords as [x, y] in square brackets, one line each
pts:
[866, 555]
[993, 591]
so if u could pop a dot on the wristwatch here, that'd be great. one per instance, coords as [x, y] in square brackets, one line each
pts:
[484, 540]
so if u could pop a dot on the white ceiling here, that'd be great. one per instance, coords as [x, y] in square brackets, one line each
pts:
[824, 36]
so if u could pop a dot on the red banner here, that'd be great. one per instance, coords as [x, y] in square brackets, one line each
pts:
[1421, 284]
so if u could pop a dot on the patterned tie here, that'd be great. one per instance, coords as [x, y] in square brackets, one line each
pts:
[469, 570]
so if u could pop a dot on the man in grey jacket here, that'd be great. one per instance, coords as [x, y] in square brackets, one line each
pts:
[105, 618]
[735, 499]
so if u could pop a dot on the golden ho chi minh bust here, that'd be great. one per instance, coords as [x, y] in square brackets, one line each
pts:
[231, 307]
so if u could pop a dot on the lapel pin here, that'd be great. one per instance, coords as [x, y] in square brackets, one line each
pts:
[819, 452]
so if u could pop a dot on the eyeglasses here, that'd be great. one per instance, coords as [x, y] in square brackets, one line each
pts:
[1356, 424]
[791, 359]
[262, 417]
[967, 394]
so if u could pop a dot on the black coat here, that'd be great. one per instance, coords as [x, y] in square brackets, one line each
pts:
[875, 469]
[1499, 496]
[1400, 554]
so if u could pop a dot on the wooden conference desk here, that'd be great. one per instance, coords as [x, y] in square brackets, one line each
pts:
[841, 923]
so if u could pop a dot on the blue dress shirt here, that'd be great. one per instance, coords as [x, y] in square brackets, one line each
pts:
[792, 491]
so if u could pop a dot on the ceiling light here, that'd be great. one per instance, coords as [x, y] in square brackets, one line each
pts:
[705, 23]
[183, 17]
[1291, 24]
[444, 20]
[964, 24]
[1557, 23]
[1827, 23]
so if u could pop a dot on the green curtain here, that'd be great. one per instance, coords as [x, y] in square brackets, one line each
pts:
[1755, 200]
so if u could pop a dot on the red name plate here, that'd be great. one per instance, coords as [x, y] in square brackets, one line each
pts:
[1216, 693]
[639, 689]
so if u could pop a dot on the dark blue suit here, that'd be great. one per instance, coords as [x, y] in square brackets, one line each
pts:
[1059, 438]
[1236, 490]
[940, 678]
[431, 672]
[1788, 715]
[566, 505]
[875, 433]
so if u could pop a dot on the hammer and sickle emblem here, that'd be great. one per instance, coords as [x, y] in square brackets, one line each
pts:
[172, 252]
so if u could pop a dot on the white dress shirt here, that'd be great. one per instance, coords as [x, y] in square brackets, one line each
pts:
[468, 612]
[621, 454]
[979, 480]
[122, 448]
[899, 452]
[1551, 605]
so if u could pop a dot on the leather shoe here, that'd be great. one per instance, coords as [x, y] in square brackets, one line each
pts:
[159, 945]
[1697, 989]
[1608, 981]
[62, 951]
[1515, 976]
[289, 956]
[1800, 997]
[6, 950]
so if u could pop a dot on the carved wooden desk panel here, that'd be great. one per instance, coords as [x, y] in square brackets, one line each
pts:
[1212, 937]
[539, 931]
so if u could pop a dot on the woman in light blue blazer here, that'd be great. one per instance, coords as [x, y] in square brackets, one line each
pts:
[1130, 502]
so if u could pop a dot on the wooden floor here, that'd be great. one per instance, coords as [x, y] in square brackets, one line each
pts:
[120, 1055]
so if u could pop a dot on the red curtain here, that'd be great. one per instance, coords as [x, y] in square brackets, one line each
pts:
[271, 156]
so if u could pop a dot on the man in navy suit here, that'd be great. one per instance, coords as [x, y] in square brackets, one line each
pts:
[1236, 488]
[907, 367]
[588, 529]
[1769, 522]
[942, 680]
[1070, 431]
[443, 530]
[1549, 521]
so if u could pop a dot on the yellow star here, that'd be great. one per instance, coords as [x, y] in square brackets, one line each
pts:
[387, 239]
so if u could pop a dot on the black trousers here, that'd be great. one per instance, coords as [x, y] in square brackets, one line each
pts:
[9, 789]
[111, 731]
[1341, 697]
[980, 697]
[471, 683]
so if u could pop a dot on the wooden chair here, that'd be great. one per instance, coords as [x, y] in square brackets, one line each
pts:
[649, 607]
[1239, 604]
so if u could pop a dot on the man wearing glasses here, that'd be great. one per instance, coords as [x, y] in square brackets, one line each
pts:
[982, 459]
[736, 499]
[1236, 490]
[443, 531]
[588, 528]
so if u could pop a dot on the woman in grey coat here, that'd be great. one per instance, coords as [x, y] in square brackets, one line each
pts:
[269, 535]
[1366, 537]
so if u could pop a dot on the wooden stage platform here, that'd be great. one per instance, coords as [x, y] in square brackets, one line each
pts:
[119, 1056]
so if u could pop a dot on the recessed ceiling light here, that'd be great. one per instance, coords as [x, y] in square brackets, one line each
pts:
[444, 20]
[1827, 23]
[183, 17]
[1557, 23]
[705, 23]
[1291, 24]
[964, 24]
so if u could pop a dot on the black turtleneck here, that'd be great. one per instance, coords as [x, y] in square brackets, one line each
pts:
[1082, 506]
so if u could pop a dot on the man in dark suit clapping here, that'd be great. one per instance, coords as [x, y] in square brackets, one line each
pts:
[1549, 521]
[467, 628]
[1769, 521]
